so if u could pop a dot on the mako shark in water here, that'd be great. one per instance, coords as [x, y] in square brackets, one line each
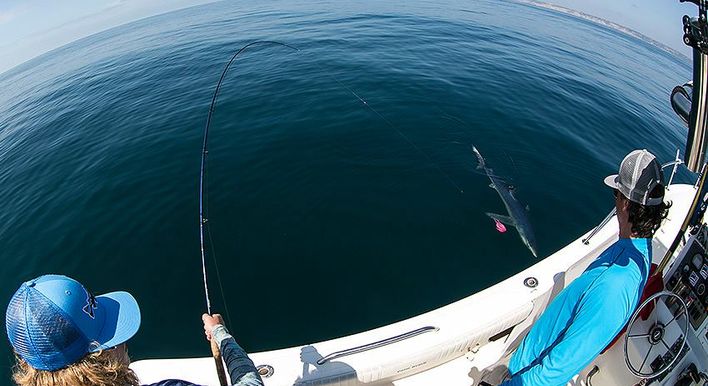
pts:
[517, 217]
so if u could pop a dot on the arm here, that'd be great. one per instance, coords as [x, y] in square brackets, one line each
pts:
[241, 369]
[600, 316]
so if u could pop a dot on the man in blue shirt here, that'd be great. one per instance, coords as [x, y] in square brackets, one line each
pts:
[587, 315]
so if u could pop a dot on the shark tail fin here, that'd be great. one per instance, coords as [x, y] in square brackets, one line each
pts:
[502, 219]
[480, 159]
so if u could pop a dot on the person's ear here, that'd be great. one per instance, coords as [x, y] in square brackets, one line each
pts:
[625, 204]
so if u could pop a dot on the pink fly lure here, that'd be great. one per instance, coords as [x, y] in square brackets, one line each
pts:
[500, 227]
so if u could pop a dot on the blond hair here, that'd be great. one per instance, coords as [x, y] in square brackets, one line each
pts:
[103, 368]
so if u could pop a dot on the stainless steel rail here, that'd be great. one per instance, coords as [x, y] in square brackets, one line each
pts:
[698, 120]
[374, 345]
[604, 222]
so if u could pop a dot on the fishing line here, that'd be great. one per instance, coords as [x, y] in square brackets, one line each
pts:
[203, 188]
[465, 125]
[516, 170]
[396, 129]
[213, 250]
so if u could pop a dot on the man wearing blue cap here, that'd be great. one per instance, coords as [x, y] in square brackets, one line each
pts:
[64, 336]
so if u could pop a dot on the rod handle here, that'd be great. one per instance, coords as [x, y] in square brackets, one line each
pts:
[216, 353]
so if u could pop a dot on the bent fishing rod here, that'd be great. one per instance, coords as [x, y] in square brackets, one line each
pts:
[203, 209]
[202, 187]
[205, 151]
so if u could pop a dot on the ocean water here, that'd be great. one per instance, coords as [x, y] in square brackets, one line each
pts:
[327, 217]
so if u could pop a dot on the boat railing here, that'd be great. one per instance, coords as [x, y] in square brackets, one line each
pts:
[377, 344]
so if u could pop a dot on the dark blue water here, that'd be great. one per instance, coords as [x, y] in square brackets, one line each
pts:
[326, 220]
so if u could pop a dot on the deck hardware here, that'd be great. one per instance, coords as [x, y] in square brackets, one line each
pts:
[503, 334]
[374, 345]
[675, 163]
[588, 378]
[531, 282]
[265, 371]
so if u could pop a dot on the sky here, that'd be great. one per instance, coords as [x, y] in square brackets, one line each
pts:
[29, 28]
[657, 19]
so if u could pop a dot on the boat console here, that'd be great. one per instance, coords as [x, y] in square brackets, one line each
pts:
[688, 278]
[667, 338]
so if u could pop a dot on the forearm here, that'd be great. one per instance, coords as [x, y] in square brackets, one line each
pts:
[240, 367]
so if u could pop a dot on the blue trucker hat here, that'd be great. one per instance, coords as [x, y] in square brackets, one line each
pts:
[53, 321]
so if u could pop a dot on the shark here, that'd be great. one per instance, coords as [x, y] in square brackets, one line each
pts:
[517, 212]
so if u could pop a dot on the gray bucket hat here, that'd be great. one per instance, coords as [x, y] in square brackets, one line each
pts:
[639, 174]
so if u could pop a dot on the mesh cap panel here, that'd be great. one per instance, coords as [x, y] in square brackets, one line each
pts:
[625, 176]
[639, 174]
[41, 333]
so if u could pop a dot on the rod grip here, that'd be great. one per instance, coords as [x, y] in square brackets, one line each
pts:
[216, 353]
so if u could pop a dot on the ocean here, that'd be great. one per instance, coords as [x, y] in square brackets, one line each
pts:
[328, 216]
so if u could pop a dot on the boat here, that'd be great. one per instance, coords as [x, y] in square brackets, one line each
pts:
[471, 340]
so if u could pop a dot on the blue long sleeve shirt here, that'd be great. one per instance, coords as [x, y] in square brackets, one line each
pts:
[584, 317]
[241, 369]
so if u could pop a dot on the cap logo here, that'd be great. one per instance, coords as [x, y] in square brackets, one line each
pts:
[91, 305]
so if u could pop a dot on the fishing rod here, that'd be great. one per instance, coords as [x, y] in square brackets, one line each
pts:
[203, 209]
[202, 187]
[205, 152]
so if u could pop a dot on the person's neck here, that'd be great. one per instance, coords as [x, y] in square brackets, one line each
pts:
[627, 234]
[625, 226]
[625, 229]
